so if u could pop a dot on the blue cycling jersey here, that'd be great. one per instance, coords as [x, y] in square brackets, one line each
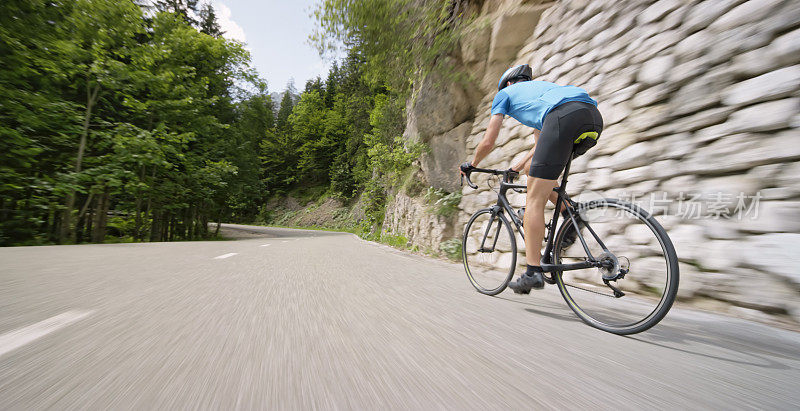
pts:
[530, 101]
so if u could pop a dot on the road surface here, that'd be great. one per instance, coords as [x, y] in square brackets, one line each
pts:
[292, 319]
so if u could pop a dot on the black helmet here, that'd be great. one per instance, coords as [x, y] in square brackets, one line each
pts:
[522, 72]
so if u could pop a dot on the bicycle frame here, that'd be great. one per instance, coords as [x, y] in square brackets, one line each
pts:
[504, 205]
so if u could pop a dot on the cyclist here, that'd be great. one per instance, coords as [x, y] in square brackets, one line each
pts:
[558, 114]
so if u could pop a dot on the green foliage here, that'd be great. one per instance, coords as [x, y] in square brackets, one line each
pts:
[343, 181]
[152, 116]
[451, 248]
[388, 152]
[396, 241]
[285, 218]
[374, 196]
[400, 38]
[441, 202]
[106, 107]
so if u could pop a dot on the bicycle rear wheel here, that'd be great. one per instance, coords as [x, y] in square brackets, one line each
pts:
[639, 254]
[489, 251]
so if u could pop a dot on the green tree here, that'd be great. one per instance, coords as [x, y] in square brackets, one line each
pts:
[37, 122]
[108, 106]
[181, 8]
[399, 38]
[286, 106]
[208, 21]
[331, 85]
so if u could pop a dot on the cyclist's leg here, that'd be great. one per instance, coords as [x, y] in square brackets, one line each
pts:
[538, 191]
[553, 150]
[553, 197]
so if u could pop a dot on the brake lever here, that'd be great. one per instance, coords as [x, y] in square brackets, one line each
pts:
[511, 175]
[470, 183]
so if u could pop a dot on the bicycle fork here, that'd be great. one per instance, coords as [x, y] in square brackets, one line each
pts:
[483, 248]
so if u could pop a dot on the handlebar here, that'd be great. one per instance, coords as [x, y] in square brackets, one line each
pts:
[508, 175]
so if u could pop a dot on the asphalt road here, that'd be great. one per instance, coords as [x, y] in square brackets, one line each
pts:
[291, 319]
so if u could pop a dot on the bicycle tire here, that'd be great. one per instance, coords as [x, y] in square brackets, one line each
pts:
[468, 255]
[670, 289]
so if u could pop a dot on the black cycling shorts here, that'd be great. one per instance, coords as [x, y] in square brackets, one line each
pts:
[560, 128]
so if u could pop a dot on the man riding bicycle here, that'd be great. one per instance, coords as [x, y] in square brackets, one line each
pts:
[558, 115]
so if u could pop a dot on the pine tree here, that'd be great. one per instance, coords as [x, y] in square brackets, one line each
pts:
[314, 84]
[285, 110]
[208, 21]
[331, 85]
[180, 8]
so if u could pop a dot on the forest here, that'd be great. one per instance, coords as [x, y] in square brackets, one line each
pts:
[130, 120]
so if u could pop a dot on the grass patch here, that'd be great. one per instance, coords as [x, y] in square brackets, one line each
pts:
[451, 248]
[284, 219]
[307, 194]
[396, 241]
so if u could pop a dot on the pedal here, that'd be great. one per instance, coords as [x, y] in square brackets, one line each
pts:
[521, 292]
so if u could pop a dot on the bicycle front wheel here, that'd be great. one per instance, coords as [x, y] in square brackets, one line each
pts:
[489, 251]
[639, 256]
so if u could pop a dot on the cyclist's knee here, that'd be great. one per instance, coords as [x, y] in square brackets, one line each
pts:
[536, 197]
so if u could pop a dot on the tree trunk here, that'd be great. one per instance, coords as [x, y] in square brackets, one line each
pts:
[66, 219]
[171, 232]
[98, 210]
[85, 206]
[51, 221]
[83, 228]
[194, 222]
[204, 224]
[104, 217]
[56, 225]
[67, 233]
[137, 235]
[155, 226]
[90, 216]
[219, 224]
[101, 217]
[165, 220]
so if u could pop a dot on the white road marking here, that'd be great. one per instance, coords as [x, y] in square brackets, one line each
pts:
[19, 337]
[220, 257]
[265, 245]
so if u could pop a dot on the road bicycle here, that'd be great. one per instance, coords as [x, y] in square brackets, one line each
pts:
[621, 276]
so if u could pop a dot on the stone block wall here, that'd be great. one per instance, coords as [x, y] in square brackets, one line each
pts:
[701, 101]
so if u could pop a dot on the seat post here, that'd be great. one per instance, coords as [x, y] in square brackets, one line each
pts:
[563, 186]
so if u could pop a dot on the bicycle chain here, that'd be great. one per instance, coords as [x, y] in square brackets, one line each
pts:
[591, 291]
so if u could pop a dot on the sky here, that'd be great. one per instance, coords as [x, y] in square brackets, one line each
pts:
[276, 33]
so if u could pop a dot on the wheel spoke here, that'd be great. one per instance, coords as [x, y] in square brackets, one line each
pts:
[489, 250]
[636, 245]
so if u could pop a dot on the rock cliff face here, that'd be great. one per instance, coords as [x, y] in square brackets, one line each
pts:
[701, 101]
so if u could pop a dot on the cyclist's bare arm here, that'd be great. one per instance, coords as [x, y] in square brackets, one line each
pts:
[487, 143]
[525, 163]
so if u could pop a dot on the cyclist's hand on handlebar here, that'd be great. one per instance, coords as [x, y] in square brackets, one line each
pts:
[466, 168]
[512, 174]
